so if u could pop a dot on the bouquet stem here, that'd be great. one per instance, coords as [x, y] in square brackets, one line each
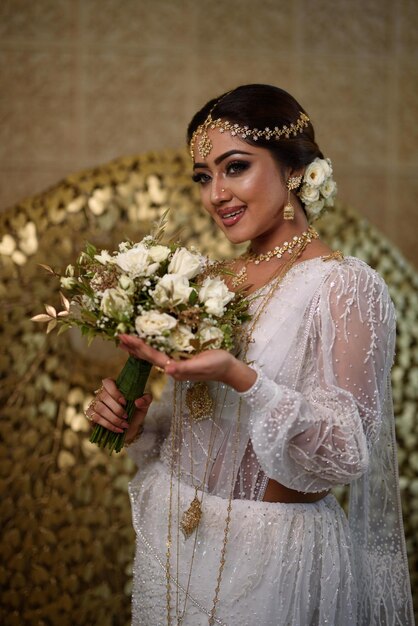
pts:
[131, 383]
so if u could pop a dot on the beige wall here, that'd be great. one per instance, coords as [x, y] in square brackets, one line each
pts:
[83, 81]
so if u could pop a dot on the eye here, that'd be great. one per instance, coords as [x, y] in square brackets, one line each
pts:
[201, 177]
[237, 167]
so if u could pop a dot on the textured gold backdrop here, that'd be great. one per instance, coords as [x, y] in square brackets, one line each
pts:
[67, 543]
[85, 81]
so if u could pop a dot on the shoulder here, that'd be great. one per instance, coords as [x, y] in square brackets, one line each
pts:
[352, 272]
[352, 284]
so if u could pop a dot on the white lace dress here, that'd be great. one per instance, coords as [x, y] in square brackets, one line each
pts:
[319, 415]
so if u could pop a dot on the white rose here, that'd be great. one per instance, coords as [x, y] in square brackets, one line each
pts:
[158, 253]
[116, 304]
[329, 188]
[185, 263]
[104, 257]
[315, 173]
[215, 295]
[315, 208]
[211, 334]
[127, 284]
[171, 290]
[180, 339]
[327, 167]
[152, 323]
[134, 262]
[309, 194]
[152, 268]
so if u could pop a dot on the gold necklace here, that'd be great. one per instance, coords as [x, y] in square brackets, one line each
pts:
[274, 284]
[294, 244]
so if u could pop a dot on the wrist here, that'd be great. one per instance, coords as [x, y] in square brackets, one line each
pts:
[240, 376]
[134, 437]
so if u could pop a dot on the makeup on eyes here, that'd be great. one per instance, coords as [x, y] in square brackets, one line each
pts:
[233, 168]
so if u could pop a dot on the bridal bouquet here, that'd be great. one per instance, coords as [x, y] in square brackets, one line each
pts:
[161, 293]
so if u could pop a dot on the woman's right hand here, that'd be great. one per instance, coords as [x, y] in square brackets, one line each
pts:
[108, 410]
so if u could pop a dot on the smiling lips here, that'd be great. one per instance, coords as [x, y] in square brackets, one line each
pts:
[231, 215]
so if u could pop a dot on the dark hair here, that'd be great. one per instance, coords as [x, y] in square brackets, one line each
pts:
[262, 106]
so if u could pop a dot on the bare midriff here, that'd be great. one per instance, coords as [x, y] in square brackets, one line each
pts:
[275, 492]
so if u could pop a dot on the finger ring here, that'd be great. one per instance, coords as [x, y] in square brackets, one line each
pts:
[88, 416]
[92, 404]
[159, 369]
[98, 390]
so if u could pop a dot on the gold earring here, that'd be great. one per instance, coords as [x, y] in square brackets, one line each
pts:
[292, 183]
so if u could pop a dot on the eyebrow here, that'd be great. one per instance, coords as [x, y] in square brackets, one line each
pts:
[221, 158]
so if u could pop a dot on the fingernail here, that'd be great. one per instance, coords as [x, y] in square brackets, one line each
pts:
[125, 426]
[125, 417]
[120, 430]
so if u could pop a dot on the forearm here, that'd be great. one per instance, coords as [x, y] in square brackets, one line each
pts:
[239, 376]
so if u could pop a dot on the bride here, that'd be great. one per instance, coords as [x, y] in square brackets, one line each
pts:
[232, 505]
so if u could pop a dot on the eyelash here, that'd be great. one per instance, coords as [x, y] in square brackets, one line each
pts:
[237, 166]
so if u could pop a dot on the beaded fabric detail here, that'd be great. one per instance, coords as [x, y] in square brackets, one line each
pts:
[243, 132]
[318, 416]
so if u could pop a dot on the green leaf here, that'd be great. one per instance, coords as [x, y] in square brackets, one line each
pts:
[193, 298]
[91, 250]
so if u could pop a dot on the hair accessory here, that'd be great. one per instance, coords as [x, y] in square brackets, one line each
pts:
[205, 144]
[292, 183]
[318, 189]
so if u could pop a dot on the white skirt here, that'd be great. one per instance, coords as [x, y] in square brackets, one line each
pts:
[286, 564]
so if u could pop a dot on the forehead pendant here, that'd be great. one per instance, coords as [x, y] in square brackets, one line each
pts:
[204, 144]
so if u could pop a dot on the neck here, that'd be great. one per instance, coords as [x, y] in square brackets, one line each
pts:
[285, 232]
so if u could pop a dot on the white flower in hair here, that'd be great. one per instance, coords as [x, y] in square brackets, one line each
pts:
[308, 193]
[318, 189]
[315, 173]
[329, 188]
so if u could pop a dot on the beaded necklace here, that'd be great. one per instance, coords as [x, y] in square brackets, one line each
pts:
[297, 243]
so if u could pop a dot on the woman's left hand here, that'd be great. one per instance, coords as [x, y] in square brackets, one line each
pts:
[218, 365]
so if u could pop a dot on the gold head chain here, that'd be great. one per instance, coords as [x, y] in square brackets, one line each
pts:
[243, 132]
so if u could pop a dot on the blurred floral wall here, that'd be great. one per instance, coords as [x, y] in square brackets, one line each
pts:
[83, 81]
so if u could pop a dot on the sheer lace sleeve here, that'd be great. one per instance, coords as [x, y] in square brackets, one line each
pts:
[156, 427]
[318, 433]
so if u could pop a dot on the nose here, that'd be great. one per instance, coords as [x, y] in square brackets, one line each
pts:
[218, 193]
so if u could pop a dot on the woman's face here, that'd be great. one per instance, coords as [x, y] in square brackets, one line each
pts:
[241, 187]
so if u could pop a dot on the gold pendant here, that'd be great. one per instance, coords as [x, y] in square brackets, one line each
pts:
[191, 518]
[240, 278]
[199, 401]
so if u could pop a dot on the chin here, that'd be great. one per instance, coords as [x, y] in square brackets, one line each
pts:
[236, 235]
